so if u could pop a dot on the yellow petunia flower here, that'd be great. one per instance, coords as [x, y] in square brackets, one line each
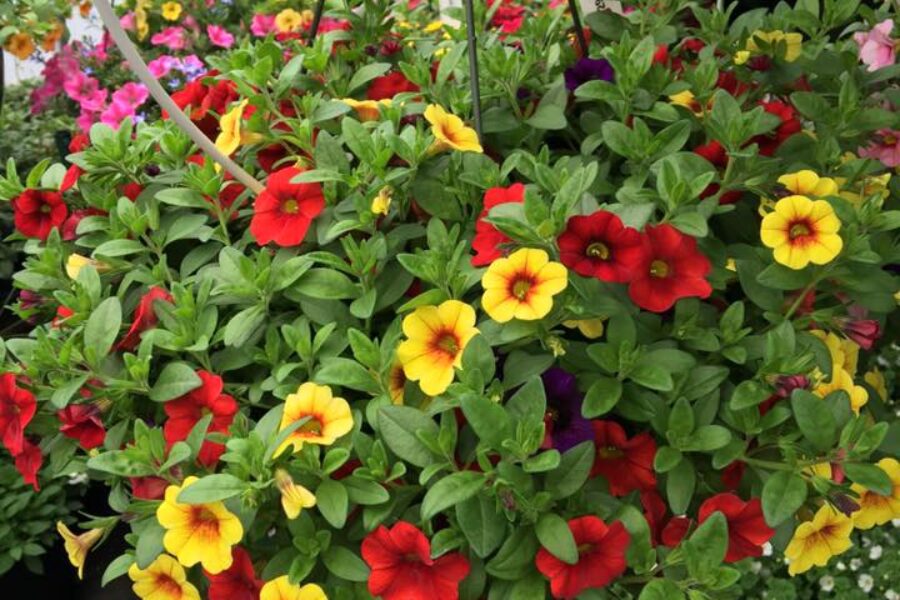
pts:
[229, 138]
[808, 183]
[875, 509]
[741, 57]
[690, 102]
[843, 380]
[77, 546]
[21, 45]
[141, 27]
[436, 337]
[76, 262]
[816, 541]
[171, 11]
[367, 110]
[802, 231]
[433, 26]
[875, 379]
[871, 185]
[381, 203]
[396, 383]
[522, 285]
[450, 132]
[589, 328]
[290, 20]
[294, 497]
[198, 533]
[793, 43]
[329, 417]
[844, 351]
[164, 579]
[822, 469]
[282, 589]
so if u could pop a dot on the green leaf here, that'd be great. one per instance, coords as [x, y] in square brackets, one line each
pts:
[749, 393]
[325, 284]
[870, 477]
[529, 403]
[814, 419]
[345, 564]
[242, 326]
[451, 490]
[666, 459]
[367, 73]
[347, 373]
[365, 491]
[183, 197]
[652, 376]
[705, 550]
[661, 589]
[116, 569]
[212, 488]
[398, 426]
[176, 379]
[680, 484]
[102, 327]
[572, 472]
[681, 420]
[332, 502]
[481, 524]
[601, 397]
[782, 495]
[487, 418]
[707, 438]
[64, 393]
[149, 543]
[554, 534]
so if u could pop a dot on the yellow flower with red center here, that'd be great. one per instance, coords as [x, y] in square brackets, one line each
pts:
[198, 533]
[522, 285]
[20, 45]
[290, 20]
[816, 541]
[229, 138]
[396, 383]
[792, 43]
[876, 509]
[802, 231]
[436, 337]
[171, 11]
[294, 497]
[329, 417]
[282, 589]
[77, 546]
[808, 183]
[367, 110]
[164, 579]
[450, 132]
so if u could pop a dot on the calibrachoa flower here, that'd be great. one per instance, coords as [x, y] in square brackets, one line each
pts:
[28, 463]
[185, 411]
[144, 317]
[198, 533]
[768, 143]
[841, 379]
[747, 529]
[230, 125]
[816, 541]
[388, 86]
[436, 337]
[402, 567]
[20, 45]
[671, 268]
[625, 463]
[522, 286]
[808, 183]
[82, 422]
[164, 579]
[877, 49]
[488, 239]
[76, 262]
[885, 147]
[329, 417]
[237, 582]
[366, 110]
[219, 36]
[77, 546]
[565, 427]
[294, 497]
[282, 589]
[170, 11]
[450, 133]
[283, 212]
[599, 245]
[791, 44]
[289, 20]
[36, 212]
[876, 509]
[802, 231]
[17, 408]
[601, 558]
[588, 69]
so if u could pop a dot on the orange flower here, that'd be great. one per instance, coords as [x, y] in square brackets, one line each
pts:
[20, 45]
[49, 41]
[366, 110]
[450, 132]
[522, 286]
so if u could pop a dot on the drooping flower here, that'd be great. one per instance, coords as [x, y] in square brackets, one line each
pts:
[672, 268]
[381, 203]
[844, 352]
[185, 411]
[230, 126]
[164, 579]
[435, 339]
[802, 231]
[329, 417]
[82, 422]
[281, 588]
[170, 11]
[237, 582]
[874, 508]
[565, 427]
[599, 245]
[808, 183]
[17, 408]
[396, 383]
[144, 317]
[402, 567]
[747, 529]
[522, 285]
[450, 132]
[601, 558]
[792, 43]
[219, 36]
[885, 147]
[688, 100]
[626, 463]
[294, 497]
[588, 69]
[36, 212]
[76, 262]
[28, 462]
[877, 49]
[388, 86]
[816, 541]
[198, 533]
[488, 239]
[283, 212]
[77, 546]
[366, 110]
[864, 332]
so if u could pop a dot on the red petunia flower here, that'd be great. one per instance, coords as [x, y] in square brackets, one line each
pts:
[402, 567]
[36, 212]
[488, 239]
[715, 153]
[388, 86]
[185, 411]
[661, 56]
[599, 245]
[73, 173]
[28, 463]
[768, 143]
[132, 190]
[17, 407]
[675, 530]
[283, 212]
[148, 488]
[626, 464]
[747, 529]
[79, 142]
[673, 268]
[82, 422]
[237, 582]
[666, 531]
[144, 317]
[70, 225]
[734, 471]
[601, 558]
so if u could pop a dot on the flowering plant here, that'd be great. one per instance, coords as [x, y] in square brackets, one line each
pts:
[609, 348]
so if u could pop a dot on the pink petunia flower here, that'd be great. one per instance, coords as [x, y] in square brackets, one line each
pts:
[160, 67]
[79, 86]
[219, 36]
[876, 48]
[262, 25]
[115, 113]
[132, 94]
[885, 146]
[127, 21]
[172, 37]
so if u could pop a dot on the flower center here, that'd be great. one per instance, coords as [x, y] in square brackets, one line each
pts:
[313, 426]
[659, 268]
[598, 250]
[585, 548]
[889, 140]
[449, 344]
[799, 230]
[46, 208]
[168, 586]
[610, 452]
[520, 288]
[290, 207]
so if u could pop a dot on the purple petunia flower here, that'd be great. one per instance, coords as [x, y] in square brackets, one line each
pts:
[588, 69]
[566, 428]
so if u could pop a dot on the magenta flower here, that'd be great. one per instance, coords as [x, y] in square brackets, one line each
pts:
[219, 36]
[127, 21]
[263, 25]
[115, 113]
[876, 48]
[173, 37]
[885, 147]
[79, 86]
[160, 67]
[95, 102]
[131, 94]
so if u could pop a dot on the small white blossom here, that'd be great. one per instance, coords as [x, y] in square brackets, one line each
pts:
[855, 564]
[77, 478]
[271, 532]
[756, 566]
[865, 582]
[767, 549]
[841, 566]
[826, 583]
[875, 552]
[895, 522]
[892, 595]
